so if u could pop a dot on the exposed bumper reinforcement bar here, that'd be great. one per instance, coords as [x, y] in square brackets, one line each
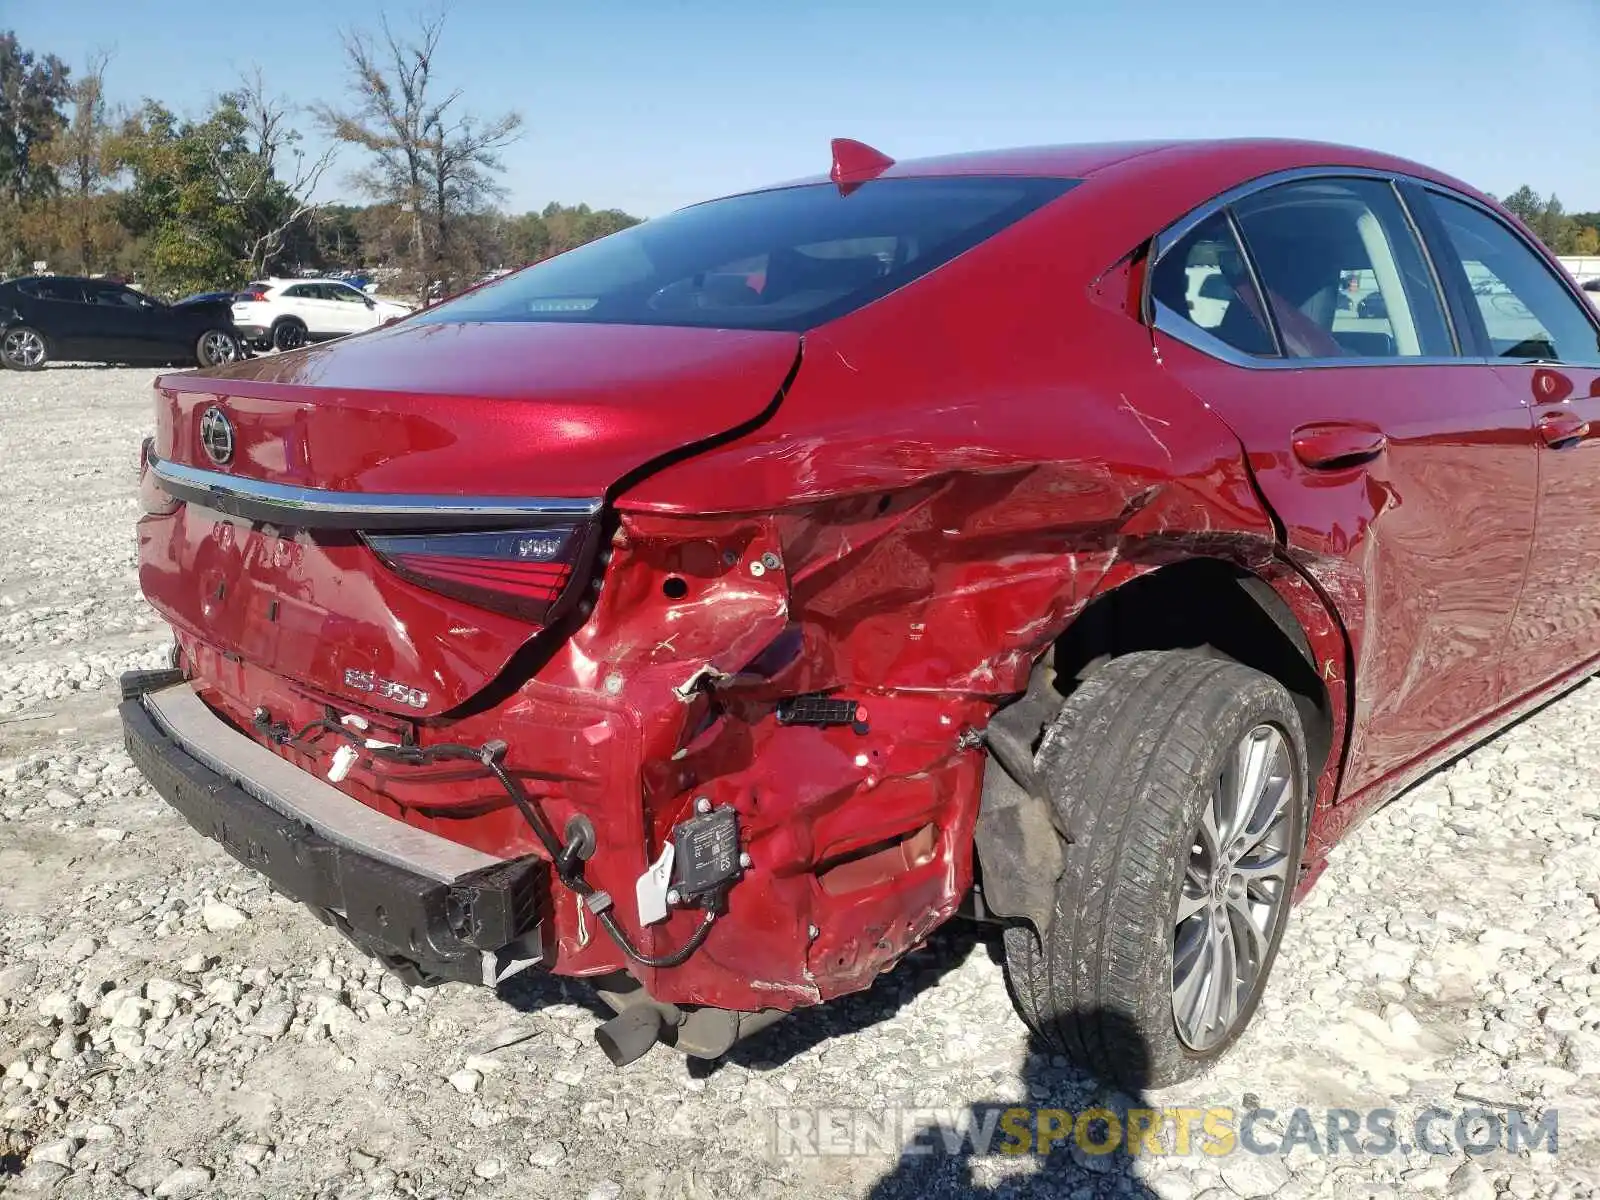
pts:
[409, 896]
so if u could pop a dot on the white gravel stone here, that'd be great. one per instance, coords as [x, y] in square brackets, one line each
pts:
[59, 1006]
[219, 917]
[272, 1022]
[1469, 1182]
[547, 1155]
[59, 1152]
[1252, 1175]
[252, 1154]
[39, 1178]
[1427, 1179]
[1170, 1185]
[466, 1081]
[183, 1183]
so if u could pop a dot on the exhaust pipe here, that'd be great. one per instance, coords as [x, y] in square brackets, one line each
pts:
[630, 1034]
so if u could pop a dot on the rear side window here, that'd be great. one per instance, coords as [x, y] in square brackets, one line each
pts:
[64, 290]
[785, 259]
[1204, 280]
[1527, 313]
[1343, 272]
[111, 297]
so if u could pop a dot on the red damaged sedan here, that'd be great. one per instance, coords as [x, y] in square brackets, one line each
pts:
[1062, 537]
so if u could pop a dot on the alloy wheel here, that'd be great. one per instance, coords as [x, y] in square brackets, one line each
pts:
[24, 347]
[1235, 887]
[217, 347]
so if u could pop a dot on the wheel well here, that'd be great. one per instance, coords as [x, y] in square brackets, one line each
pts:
[287, 319]
[1208, 605]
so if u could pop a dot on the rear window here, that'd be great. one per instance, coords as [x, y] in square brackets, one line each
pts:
[785, 259]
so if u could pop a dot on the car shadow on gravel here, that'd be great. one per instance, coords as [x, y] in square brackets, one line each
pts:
[806, 1028]
[531, 991]
[946, 949]
[1065, 1137]
[986, 1149]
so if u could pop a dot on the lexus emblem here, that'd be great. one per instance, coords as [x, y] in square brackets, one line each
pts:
[216, 435]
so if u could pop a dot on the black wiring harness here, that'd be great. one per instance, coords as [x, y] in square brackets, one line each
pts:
[566, 858]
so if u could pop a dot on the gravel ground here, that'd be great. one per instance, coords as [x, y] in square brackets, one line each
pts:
[168, 1027]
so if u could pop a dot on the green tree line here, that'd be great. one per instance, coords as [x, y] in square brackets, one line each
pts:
[1563, 232]
[183, 203]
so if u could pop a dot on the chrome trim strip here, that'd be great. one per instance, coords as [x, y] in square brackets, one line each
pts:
[1176, 231]
[300, 796]
[318, 508]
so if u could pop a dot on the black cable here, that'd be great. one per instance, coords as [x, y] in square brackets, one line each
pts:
[676, 958]
[566, 863]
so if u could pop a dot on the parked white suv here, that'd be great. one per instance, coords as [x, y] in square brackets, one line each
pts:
[286, 313]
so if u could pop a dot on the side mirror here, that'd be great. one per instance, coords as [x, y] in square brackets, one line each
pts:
[369, 302]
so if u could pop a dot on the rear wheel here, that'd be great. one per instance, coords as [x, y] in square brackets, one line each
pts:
[23, 348]
[216, 346]
[1183, 782]
[288, 334]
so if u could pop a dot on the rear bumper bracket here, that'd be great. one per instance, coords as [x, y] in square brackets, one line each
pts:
[476, 920]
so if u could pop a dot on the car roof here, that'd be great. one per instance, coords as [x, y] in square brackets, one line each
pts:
[64, 278]
[1252, 156]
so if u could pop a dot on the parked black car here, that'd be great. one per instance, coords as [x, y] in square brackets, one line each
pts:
[48, 317]
[1372, 305]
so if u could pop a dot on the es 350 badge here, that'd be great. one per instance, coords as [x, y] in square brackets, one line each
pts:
[385, 689]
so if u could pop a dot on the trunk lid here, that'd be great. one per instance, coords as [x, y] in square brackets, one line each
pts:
[396, 514]
[489, 409]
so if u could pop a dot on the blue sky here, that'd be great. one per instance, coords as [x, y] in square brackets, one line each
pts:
[651, 104]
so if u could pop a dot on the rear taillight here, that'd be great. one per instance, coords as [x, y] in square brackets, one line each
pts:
[528, 573]
[248, 297]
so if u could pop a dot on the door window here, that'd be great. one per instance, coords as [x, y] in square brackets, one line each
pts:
[342, 293]
[113, 297]
[1343, 273]
[1204, 281]
[64, 290]
[1527, 312]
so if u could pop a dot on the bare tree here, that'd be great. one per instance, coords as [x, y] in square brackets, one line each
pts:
[84, 157]
[273, 182]
[433, 161]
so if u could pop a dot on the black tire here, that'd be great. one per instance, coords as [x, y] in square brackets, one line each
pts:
[24, 348]
[1130, 762]
[207, 350]
[288, 334]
